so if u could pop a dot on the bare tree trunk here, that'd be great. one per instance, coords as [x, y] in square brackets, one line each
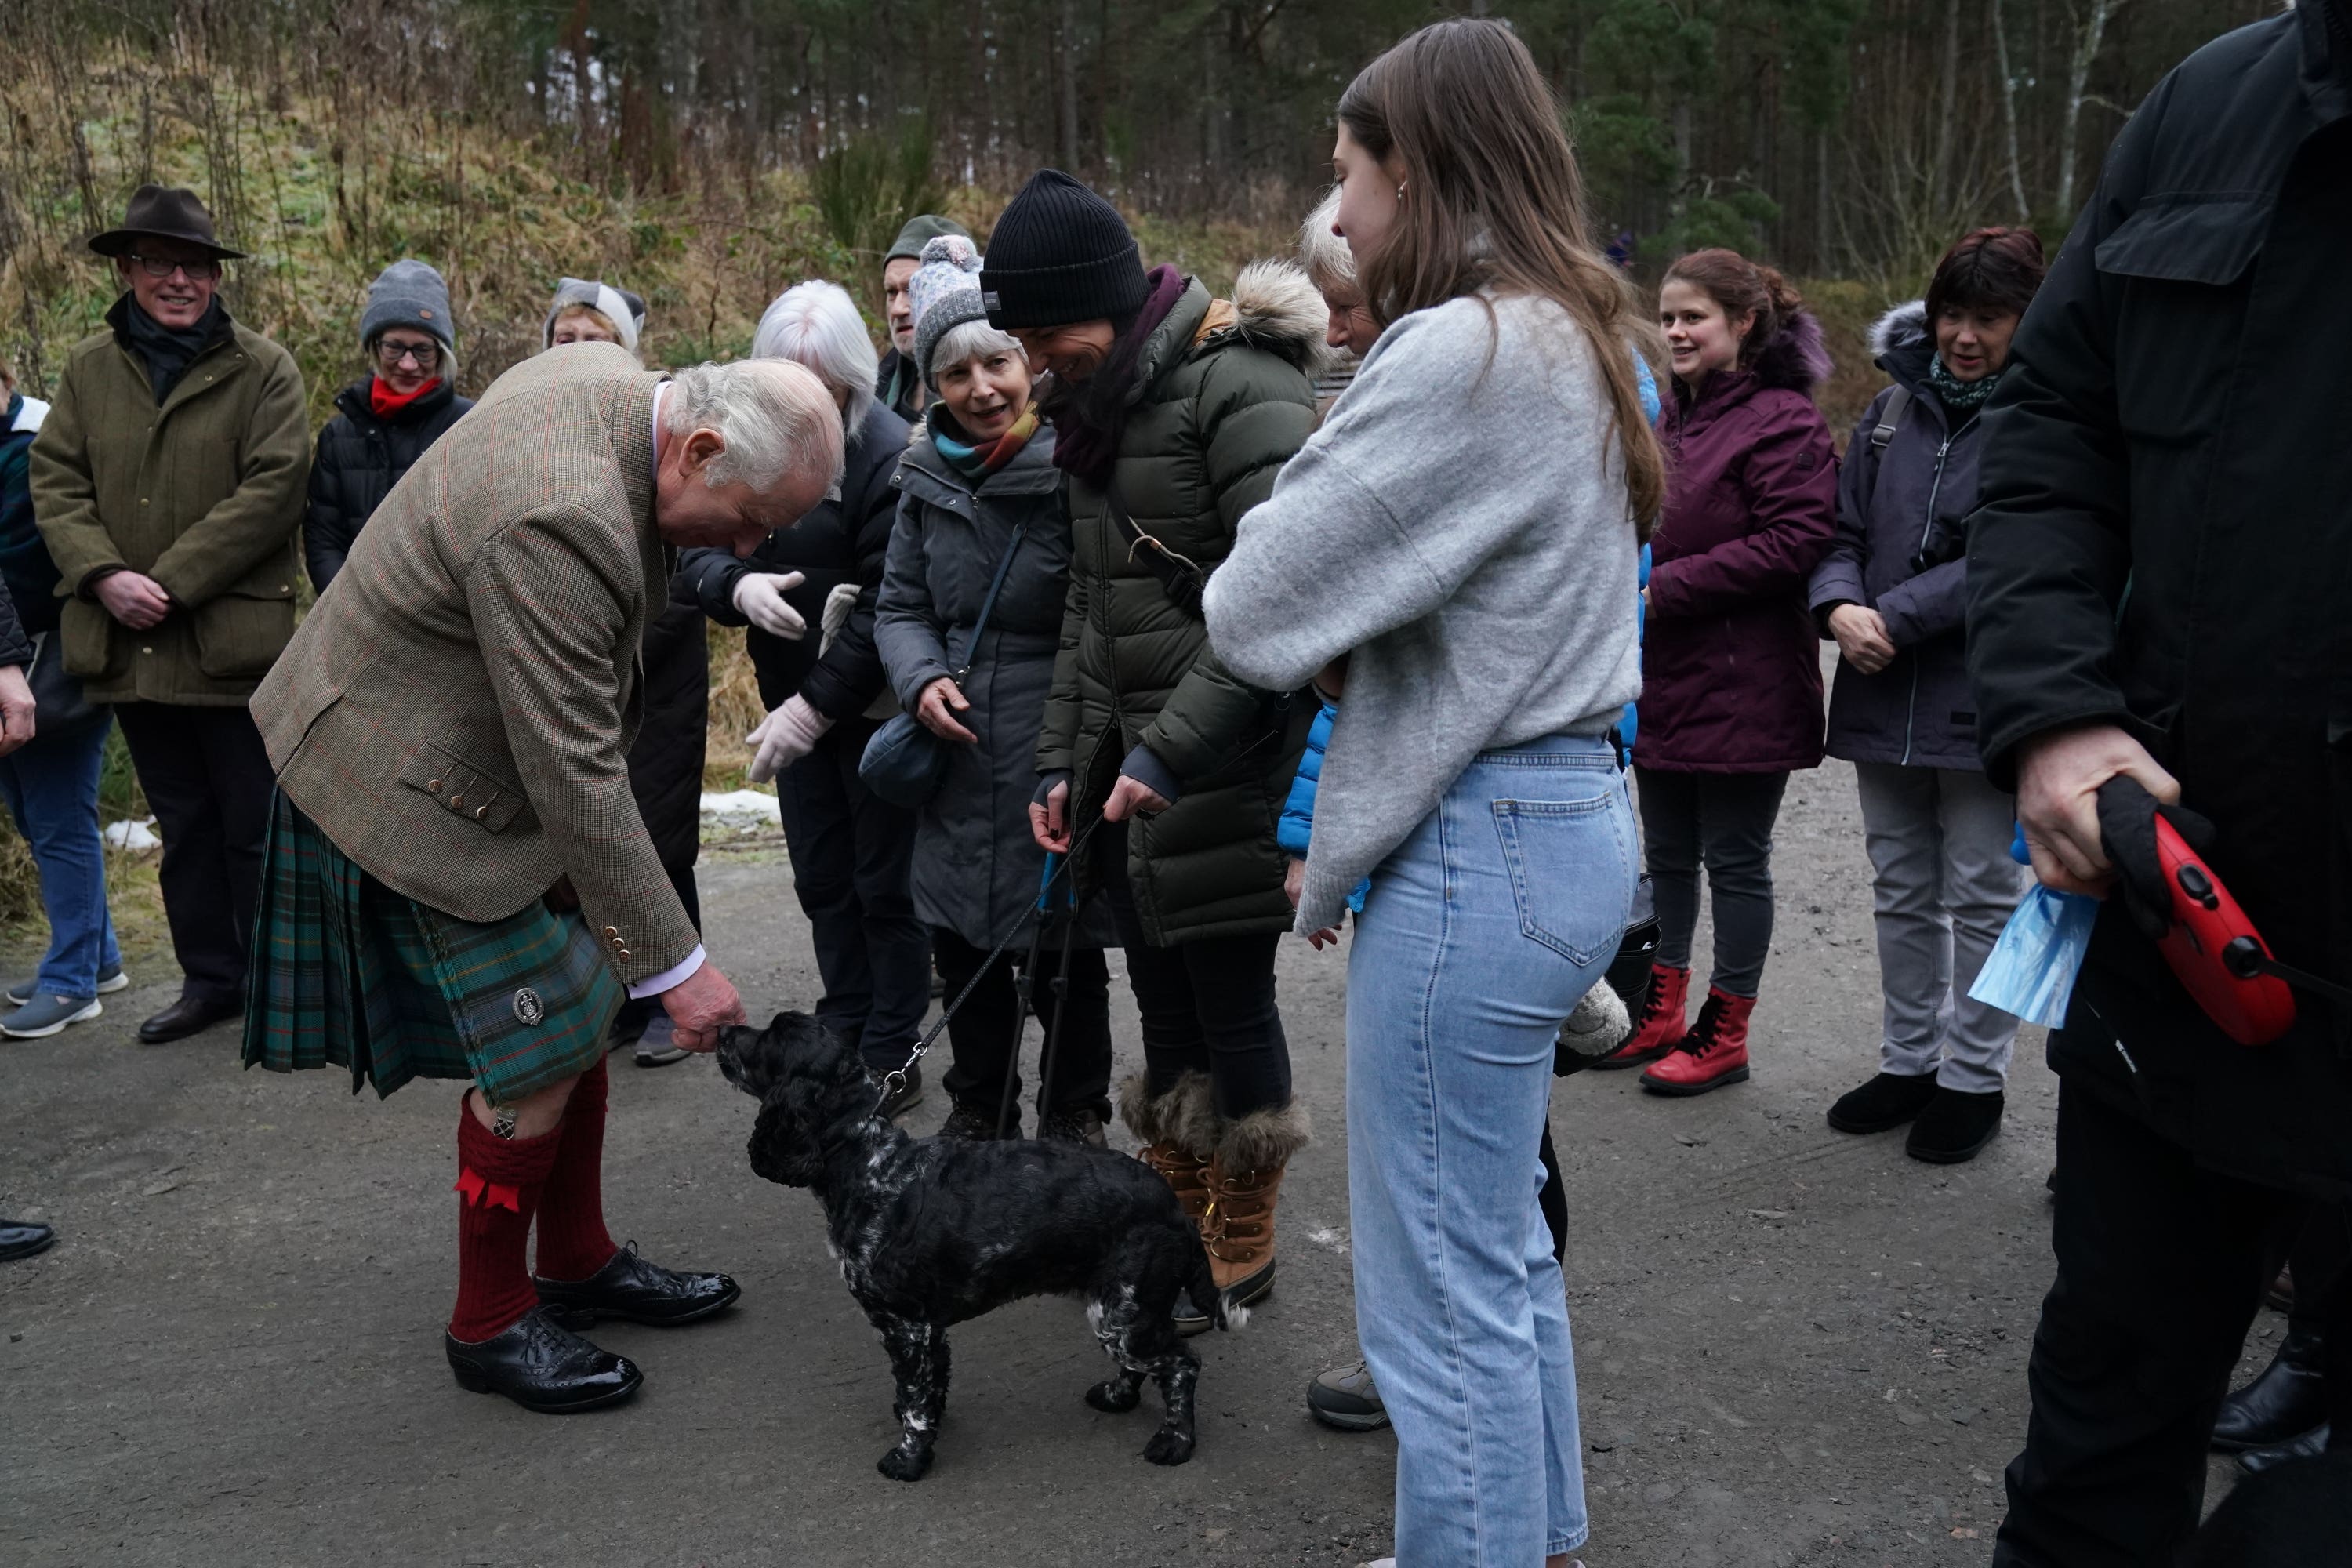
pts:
[2078, 76]
[2008, 111]
[1940, 195]
[1069, 85]
[1821, 200]
[1679, 202]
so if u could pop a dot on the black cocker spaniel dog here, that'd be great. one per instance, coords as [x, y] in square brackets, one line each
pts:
[930, 1232]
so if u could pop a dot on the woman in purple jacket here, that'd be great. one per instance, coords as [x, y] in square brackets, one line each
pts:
[1731, 691]
[1891, 593]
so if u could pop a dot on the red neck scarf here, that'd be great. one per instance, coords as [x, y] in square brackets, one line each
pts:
[385, 402]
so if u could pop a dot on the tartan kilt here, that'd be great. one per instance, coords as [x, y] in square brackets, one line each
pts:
[347, 971]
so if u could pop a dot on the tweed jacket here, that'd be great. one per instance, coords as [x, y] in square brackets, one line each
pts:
[456, 711]
[203, 494]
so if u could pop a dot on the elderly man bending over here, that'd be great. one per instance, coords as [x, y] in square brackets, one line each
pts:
[458, 882]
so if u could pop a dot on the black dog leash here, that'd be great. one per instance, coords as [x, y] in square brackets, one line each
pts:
[896, 1079]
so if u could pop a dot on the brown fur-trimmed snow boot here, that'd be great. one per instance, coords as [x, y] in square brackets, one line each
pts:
[1245, 1183]
[1180, 1131]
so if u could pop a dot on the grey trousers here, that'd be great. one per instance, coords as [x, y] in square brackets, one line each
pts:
[1944, 885]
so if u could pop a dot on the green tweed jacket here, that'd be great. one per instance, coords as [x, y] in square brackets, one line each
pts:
[456, 712]
[203, 494]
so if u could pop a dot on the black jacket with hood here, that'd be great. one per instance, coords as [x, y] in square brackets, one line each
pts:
[2164, 543]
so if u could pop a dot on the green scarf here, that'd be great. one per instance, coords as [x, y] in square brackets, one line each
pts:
[1960, 396]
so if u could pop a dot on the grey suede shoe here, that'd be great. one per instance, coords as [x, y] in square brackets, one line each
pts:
[47, 1015]
[109, 980]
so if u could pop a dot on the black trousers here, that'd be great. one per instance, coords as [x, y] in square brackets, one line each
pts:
[1553, 1198]
[985, 1036]
[208, 779]
[638, 1011]
[2161, 1267]
[851, 857]
[1723, 822]
[1206, 1005]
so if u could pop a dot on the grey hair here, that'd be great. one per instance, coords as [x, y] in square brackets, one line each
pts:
[974, 339]
[816, 325]
[774, 415]
[1331, 265]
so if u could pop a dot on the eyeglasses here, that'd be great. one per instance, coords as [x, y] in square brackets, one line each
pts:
[389, 354]
[156, 267]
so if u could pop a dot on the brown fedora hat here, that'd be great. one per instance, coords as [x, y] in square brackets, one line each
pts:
[160, 212]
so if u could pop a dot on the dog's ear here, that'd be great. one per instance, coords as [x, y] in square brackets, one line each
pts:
[780, 1148]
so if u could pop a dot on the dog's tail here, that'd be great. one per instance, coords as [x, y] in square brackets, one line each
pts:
[1202, 1287]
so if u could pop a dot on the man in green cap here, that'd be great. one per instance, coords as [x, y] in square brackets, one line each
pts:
[898, 384]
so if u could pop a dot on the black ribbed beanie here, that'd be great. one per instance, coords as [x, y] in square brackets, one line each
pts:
[1060, 254]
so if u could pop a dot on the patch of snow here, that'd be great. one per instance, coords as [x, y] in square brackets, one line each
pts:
[742, 811]
[133, 835]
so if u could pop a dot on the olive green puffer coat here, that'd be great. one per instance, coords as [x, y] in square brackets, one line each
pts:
[1222, 398]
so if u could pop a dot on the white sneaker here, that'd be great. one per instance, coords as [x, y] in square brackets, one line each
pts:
[109, 980]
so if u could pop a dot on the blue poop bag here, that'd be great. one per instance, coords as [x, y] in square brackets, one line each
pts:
[2030, 972]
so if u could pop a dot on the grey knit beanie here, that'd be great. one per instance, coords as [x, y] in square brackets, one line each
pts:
[408, 294]
[920, 230]
[945, 293]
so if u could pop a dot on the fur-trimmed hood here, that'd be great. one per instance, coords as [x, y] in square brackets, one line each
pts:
[1901, 345]
[1274, 308]
[1796, 359]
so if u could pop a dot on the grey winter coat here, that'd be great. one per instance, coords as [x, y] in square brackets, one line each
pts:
[976, 867]
[1902, 528]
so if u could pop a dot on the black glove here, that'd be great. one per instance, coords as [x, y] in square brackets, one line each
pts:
[2127, 815]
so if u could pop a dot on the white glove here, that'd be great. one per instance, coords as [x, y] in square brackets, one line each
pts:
[761, 597]
[784, 737]
[839, 606]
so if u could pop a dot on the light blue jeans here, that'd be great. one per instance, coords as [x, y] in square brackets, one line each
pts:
[1481, 934]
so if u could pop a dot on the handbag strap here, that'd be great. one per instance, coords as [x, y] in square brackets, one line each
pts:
[988, 605]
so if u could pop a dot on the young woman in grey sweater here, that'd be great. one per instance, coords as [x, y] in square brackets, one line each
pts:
[1451, 550]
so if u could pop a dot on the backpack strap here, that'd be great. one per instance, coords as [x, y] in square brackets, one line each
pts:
[1898, 400]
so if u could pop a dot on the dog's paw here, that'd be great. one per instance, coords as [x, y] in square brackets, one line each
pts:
[1168, 1447]
[1114, 1397]
[901, 1466]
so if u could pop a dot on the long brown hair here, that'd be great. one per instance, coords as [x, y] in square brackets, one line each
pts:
[1495, 200]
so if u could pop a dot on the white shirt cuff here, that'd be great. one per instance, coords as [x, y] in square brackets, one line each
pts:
[677, 973]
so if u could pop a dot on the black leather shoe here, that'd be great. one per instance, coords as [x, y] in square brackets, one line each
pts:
[640, 1292]
[2287, 1401]
[543, 1366]
[1955, 1127]
[188, 1015]
[2310, 1445]
[1885, 1102]
[22, 1238]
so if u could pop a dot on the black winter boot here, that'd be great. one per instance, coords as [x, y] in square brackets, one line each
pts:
[2288, 1399]
[1887, 1101]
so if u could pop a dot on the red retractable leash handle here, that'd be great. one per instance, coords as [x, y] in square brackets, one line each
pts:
[2206, 938]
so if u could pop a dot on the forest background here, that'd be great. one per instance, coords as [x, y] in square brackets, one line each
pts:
[709, 154]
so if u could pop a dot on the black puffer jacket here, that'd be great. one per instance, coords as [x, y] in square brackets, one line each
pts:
[845, 540]
[360, 458]
[2163, 544]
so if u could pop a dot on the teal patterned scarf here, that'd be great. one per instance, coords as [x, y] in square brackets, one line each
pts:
[1960, 397]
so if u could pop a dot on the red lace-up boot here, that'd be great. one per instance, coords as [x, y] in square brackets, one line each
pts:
[1713, 1054]
[1660, 1023]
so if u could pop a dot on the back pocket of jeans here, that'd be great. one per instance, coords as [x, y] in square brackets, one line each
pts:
[1572, 872]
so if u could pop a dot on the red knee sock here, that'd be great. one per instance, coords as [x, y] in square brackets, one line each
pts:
[572, 1241]
[499, 1184]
